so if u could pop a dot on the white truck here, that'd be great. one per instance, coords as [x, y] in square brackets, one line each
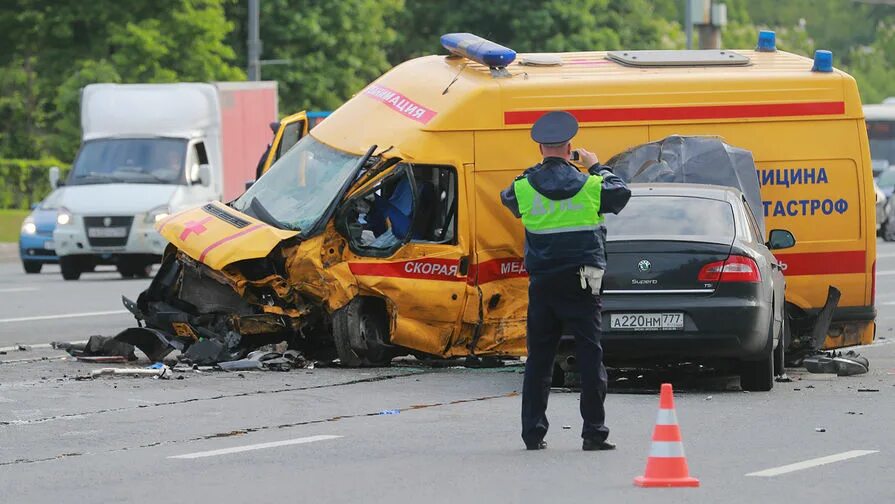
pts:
[151, 150]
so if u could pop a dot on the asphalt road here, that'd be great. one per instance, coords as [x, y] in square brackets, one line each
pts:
[319, 435]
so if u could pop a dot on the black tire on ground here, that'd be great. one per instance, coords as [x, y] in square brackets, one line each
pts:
[70, 267]
[780, 351]
[888, 231]
[360, 334]
[758, 376]
[32, 267]
[134, 269]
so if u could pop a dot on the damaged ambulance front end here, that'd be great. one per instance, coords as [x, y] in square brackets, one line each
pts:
[265, 268]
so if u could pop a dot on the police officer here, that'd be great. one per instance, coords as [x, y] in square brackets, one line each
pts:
[562, 211]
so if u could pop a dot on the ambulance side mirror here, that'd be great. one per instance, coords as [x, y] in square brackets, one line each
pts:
[781, 239]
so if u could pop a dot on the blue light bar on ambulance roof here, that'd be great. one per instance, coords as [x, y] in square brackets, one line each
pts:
[823, 61]
[767, 41]
[478, 49]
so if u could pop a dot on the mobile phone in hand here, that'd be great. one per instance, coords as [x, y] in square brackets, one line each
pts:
[575, 156]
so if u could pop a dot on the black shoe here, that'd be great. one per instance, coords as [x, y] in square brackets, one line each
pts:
[595, 445]
[540, 445]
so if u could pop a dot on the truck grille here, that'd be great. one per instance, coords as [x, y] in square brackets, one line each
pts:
[120, 227]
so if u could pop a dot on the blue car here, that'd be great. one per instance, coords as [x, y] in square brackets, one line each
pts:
[36, 238]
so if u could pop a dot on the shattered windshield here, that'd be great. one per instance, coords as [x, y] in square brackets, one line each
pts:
[130, 160]
[300, 186]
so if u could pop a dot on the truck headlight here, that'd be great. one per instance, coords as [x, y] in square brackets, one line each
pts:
[63, 217]
[28, 226]
[157, 214]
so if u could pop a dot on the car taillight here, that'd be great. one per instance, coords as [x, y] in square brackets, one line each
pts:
[734, 269]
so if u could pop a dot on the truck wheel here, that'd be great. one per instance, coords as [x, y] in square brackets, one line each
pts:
[888, 231]
[360, 334]
[134, 270]
[32, 267]
[71, 268]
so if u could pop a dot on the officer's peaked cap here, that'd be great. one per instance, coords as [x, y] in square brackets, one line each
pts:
[555, 127]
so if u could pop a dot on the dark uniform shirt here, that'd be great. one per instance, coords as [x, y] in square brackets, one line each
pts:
[556, 179]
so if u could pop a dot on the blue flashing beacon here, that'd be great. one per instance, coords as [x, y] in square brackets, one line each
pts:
[823, 61]
[767, 41]
[478, 49]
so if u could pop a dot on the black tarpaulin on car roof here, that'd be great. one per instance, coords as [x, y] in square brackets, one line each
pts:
[693, 160]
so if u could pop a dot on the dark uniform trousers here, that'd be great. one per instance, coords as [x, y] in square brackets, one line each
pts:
[557, 305]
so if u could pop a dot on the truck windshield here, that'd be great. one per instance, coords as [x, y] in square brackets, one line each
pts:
[130, 160]
[299, 187]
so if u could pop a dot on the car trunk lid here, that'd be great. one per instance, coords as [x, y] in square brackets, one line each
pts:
[661, 266]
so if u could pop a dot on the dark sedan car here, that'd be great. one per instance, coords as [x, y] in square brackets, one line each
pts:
[691, 279]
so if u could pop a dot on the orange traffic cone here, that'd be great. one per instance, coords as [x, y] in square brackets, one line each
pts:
[667, 464]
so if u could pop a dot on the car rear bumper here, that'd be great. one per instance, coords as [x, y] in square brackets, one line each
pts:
[714, 327]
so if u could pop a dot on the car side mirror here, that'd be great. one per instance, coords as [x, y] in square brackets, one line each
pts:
[205, 174]
[249, 184]
[781, 239]
[54, 176]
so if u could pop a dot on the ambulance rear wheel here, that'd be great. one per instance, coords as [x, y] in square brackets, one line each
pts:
[361, 333]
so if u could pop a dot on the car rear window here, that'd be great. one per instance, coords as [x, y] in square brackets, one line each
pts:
[674, 218]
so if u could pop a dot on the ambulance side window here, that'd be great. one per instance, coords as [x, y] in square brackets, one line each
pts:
[379, 221]
[436, 214]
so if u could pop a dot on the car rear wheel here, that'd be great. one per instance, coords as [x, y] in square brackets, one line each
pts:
[758, 376]
[32, 267]
[70, 267]
[780, 351]
[360, 333]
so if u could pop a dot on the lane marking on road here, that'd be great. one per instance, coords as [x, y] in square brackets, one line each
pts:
[798, 466]
[18, 289]
[885, 256]
[885, 273]
[259, 446]
[62, 316]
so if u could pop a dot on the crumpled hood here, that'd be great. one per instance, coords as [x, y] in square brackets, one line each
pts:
[115, 199]
[217, 235]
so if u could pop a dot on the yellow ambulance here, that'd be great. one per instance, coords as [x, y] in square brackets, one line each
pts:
[381, 231]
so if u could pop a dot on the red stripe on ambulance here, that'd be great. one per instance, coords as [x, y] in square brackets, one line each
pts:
[423, 269]
[400, 103]
[752, 110]
[497, 269]
[824, 263]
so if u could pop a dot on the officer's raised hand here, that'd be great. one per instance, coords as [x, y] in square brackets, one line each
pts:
[587, 157]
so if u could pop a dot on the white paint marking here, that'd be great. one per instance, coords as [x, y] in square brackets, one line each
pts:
[798, 466]
[885, 256]
[62, 316]
[885, 273]
[19, 289]
[259, 446]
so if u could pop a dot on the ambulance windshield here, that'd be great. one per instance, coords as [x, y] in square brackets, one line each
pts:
[299, 187]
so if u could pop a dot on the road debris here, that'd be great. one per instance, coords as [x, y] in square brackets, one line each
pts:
[820, 429]
[841, 364]
[161, 373]
[390, 412]
[98, 346]
[783, 378]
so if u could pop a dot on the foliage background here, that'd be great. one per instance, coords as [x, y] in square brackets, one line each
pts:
[52, 49]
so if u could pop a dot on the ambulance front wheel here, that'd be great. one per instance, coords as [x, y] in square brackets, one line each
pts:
[361, 333]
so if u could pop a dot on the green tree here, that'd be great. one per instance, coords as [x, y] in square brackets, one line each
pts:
[51, 49]
[333, 48]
